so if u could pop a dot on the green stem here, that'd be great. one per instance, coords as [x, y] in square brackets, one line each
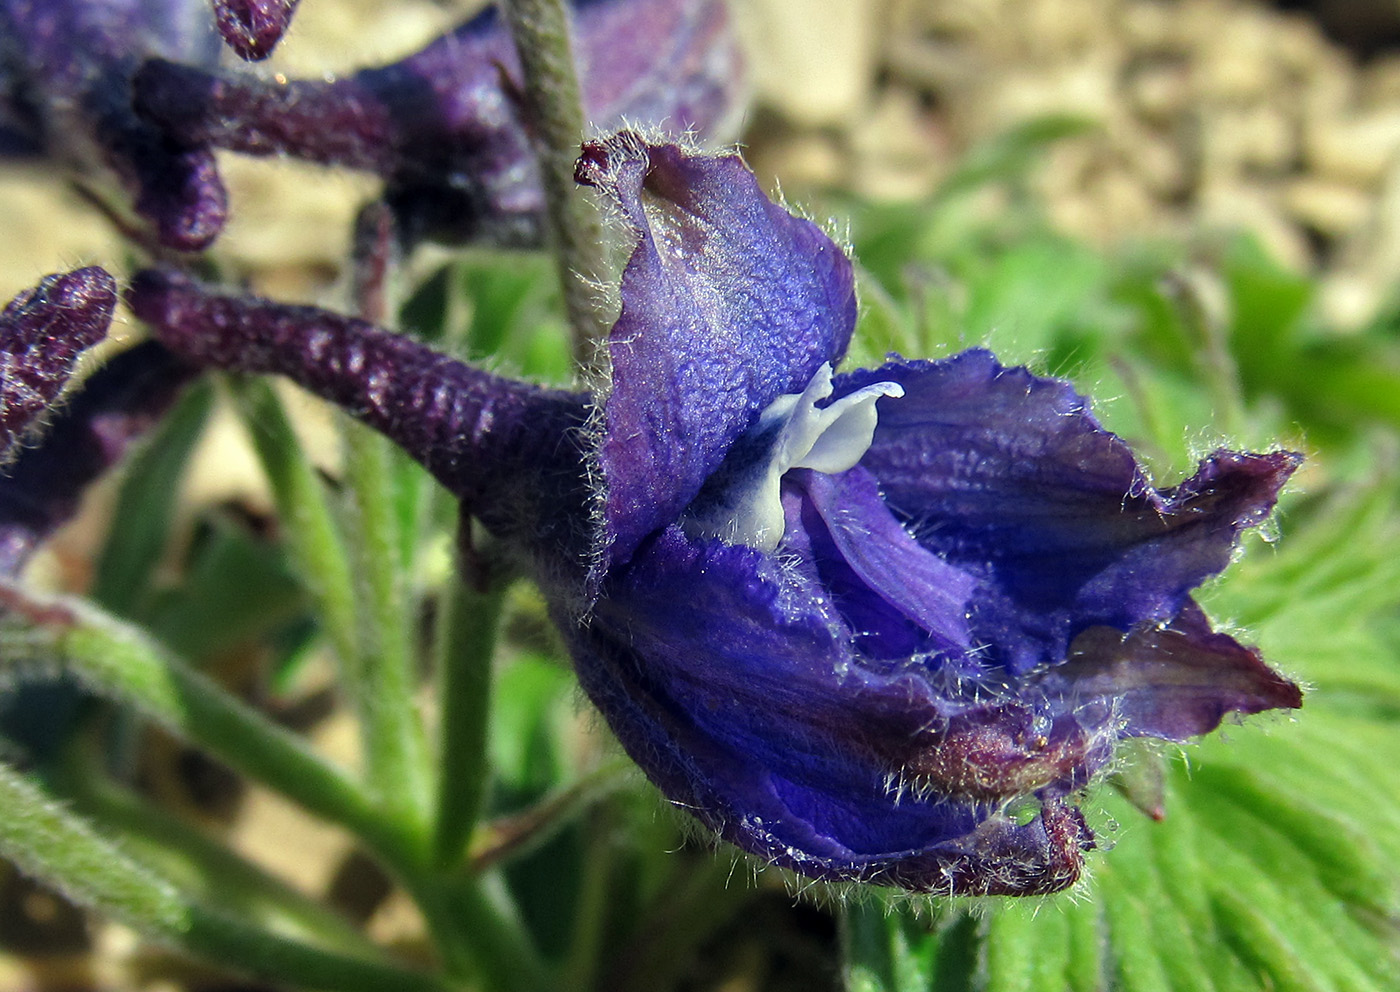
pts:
[119, 660]
[466, 645]
[554, 110]
[302, 505]
[516, 835]
[198, 863]
[47, 841]
[396, 755]
[590, 911]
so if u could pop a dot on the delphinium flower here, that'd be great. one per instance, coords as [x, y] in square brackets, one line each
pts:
[874, 626]
[443, 126]
[65, 71]
[53, 449]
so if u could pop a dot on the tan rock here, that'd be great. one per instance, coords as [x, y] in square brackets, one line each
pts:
[1329, 207]
[1358, 148]
[812, 59]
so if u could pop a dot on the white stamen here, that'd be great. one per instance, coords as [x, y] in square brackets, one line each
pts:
[830, 440]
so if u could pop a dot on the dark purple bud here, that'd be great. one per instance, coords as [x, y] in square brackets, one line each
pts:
[442, 126]
[42, 332]
[68, 68]
[116, 405]
[509, 451]
[252, 28]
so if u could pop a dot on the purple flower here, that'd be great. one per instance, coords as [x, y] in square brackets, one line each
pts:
[65, 91]
[443, 127]
[877, 626]
[42, 333]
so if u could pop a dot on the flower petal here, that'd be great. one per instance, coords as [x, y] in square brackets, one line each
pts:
[898, 599]
[728, 302]
[1175, 681]
[725, 675]
[42, 332]
[1010, 476]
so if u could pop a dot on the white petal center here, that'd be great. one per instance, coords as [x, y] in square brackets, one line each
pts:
[828, 439]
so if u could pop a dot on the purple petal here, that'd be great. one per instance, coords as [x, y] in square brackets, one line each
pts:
[507, 449]
[42, 333]
[442, 127]
[115, 407]
[725, 675]
[897, 598]
[1175, 681]
[728, 301]
[252, 28]
[1010, 476]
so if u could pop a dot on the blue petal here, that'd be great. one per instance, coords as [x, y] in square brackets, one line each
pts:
[728, 302]
[728, 677]
[1009, 475]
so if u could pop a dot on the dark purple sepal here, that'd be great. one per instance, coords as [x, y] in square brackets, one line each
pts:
[115, 406]
[442, 126]
[510, 451]
[1173, 681]
[252, 28]
[1008, 475]
[728, 301]
[42, 332]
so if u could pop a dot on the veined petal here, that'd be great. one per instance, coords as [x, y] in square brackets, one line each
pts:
[900, 601]
[1173, 681]
[1009, 475]
[728, 302]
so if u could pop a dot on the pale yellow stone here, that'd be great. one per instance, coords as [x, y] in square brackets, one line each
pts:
[1333, 208]
[1358, 148]
[812, 59]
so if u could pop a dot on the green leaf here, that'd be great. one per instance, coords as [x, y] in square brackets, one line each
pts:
[146, 505]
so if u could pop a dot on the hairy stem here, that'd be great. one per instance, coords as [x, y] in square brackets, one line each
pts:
[47, 841]
[118, 660]
[396, 755]
[554, 110]
[466, 645]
